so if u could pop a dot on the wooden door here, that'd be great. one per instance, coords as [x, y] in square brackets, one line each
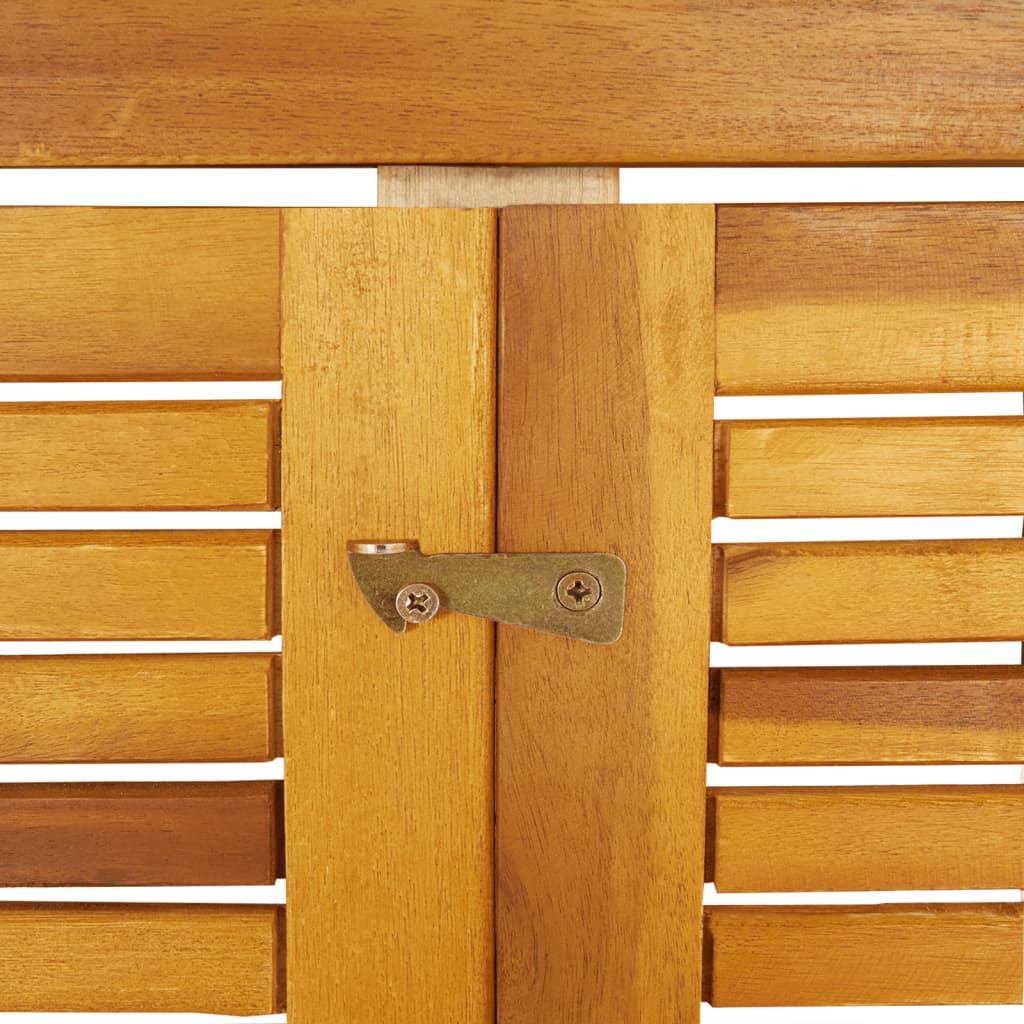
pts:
[480, 822]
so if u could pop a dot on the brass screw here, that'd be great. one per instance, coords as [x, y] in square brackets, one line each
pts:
[578, 591]
[418, 602]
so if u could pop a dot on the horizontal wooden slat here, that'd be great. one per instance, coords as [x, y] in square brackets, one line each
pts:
[897, 467]
[817, 716]
[138, 294]
[139, 707]
[840, 839]
[139, 455]
[872, 592]
[521, 81]
[937, 955]
[900, 297]
[141, 958]
[214, 833]
[142, 584]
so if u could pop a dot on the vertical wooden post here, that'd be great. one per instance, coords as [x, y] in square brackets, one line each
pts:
[388, 432]
[605, 443]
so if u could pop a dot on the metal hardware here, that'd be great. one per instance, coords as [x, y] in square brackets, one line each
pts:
[575, 595]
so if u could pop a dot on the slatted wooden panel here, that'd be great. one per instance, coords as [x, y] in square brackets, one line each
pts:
[815, 716]
[897, 297]
[139, 707]
[166, 958]
[907, 467]
[140, 834]
[142, 584]
[952, 954]
[871, 592]
[472, 81]
[604, 443]
[389, 433]
[138, 455]
[837, 839]
[137, 294]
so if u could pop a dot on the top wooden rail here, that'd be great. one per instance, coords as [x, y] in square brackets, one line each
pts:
[213, 82]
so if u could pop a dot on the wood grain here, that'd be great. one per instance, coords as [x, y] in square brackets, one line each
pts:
[784, 839]
[138, 585]
[389, 335]
[872, 592]
[211, 833]
[861, 298]
[138, 455]
[495, 186]
[520, 82]
[605, 444]
[938, 715]
[137, 294]
[139, 707]
[958, 466]
[140, 958]
[908, 955]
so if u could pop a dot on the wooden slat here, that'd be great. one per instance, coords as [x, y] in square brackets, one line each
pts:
[940, 955]
[138, 294]
[389, 433]
[901, 467]
[940, 715]
[872, 592]
[138, 455]
[495, 186]
[212, 833]
[605, 440]
[472, 81]
[138, 585]
[900, 297]
[140, 958]
[139, 707]
[839, 839]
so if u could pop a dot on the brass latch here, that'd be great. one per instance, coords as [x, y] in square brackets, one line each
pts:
[575, 595]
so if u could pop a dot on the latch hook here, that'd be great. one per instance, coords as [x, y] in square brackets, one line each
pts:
[574, 595]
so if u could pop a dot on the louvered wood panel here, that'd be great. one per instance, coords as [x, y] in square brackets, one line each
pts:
[871, 592]
[812, 716]
[518, 82]
[137, 294]
[141, 958]
[963, 466]
[212, 833]
[138, 455]
[844, 838]
[929, 955]
[819, 299]
[141, 584]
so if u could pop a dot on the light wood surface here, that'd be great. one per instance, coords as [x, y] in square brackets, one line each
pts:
[138, 585]
[495, 186]
[840, 839]
[928, 955]
[389, 334]
[605, 444]
[138, 455]
[140, 958]
[878, 297]
[522, 81]
[958, 466]
[872, 592]
[139, 707]
[938, 715]
[138, 294]
[212, 833]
